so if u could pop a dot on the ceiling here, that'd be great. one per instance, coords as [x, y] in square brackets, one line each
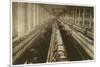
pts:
[56, 10]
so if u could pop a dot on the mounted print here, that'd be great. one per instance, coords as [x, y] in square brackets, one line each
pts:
[51, 33]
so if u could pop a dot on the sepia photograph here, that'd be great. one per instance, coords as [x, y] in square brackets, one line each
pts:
[51, 33]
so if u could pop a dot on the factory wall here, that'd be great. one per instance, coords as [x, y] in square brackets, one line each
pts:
[27, 17]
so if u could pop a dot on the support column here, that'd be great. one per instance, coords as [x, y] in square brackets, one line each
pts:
[14, 19]
[83, 19]
[29, 16]
[38, 23]
[75, 16]
[37, 16]
[21, 19]
[90, 19]
[25, 27]
[79, 16]
[34, 16]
